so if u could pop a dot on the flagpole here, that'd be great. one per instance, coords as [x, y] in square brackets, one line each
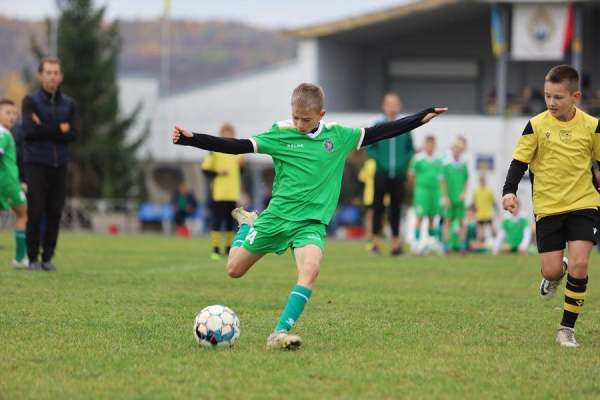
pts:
[577, 46]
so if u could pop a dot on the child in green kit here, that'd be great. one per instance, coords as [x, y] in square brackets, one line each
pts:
[454, 178]
[11, 192]
[309, 157]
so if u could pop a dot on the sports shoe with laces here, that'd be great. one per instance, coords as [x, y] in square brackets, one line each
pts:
[282, 340]
[566, 337]
[23, 264]
[244, 217]
[548, 288]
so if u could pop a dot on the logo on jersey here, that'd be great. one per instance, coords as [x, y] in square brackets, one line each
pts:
[547, 135]
[565, 136]
[595, 230]
[328, 143]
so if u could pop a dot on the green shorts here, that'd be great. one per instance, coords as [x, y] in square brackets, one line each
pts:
[426, 203]
[12, 196]
[456, 211]
[271, 234]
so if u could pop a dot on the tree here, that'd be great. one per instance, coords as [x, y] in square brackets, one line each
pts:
[104, 163]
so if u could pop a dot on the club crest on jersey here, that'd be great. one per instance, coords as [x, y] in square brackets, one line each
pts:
[328, 143]
[547, 135]
[565, 136]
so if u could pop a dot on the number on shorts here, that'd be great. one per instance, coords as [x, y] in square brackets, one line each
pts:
[251, 235]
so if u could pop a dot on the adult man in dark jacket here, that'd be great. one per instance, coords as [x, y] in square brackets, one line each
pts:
[49, 125]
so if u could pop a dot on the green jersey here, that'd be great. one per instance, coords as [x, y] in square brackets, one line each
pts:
[308, 168]
[456, 175]
[515, 227]
[9, 172]
[427, 170]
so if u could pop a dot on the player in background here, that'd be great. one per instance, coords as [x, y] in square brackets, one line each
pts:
[224, 170]
[11, 191]
[424, 173]
[514, 235]
[366, 175]
[454, 178]
[558, 145]
[483, 199]
[309, 157]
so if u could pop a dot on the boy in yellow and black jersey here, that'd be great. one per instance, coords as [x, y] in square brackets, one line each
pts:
[558, 145]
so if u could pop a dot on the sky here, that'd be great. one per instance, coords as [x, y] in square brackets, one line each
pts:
[273, 14]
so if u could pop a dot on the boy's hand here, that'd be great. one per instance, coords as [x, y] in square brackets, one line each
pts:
[447, 202]
[432, 115]
[509, 202]
[177, 132]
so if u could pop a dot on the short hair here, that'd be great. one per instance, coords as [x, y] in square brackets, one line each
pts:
[429, 138]
[49, 60]
[6, 102]
[308, 97]
[227, 126]
[564, 74]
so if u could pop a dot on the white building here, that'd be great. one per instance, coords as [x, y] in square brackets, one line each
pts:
[433, 53]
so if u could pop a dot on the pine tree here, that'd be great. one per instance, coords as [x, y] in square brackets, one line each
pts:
[104, 163]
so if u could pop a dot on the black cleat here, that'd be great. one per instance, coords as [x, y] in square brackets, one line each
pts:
[35, 266]
[48, 266]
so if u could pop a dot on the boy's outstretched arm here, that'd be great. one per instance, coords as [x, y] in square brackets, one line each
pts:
[513, 177]
[212, 143]
[388, 130]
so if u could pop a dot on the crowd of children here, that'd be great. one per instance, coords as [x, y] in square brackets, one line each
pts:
[454, 222]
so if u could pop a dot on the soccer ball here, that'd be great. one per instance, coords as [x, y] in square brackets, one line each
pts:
[217, 326]
[429, 245]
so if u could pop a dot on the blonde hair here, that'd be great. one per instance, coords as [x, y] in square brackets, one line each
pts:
[308, 97]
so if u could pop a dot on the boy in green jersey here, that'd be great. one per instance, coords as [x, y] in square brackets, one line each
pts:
[424, 173]
[309, 157]
[515, 233]
[454, 178]
[11, 193]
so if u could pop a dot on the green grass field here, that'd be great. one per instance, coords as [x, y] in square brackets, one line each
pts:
[116, 322]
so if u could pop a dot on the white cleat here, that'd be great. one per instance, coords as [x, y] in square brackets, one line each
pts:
[244, 217]
[566, 337]
[282, 340]
[23, 264]
[548, 288]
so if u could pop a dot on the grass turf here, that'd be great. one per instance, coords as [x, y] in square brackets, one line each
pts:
[116, 322]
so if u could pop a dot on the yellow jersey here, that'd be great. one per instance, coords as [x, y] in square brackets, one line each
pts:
[367, 176]
[483, 198]
[559, 155]
[224, 187]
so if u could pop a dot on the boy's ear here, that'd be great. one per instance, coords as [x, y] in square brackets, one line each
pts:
[576, 96]
[322, 114]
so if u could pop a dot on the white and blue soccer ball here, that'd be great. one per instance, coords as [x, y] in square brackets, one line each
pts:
[217, 326]
[428, 245]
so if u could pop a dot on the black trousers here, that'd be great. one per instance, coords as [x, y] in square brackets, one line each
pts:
[46, 190]
[395, 187]
[221, 213]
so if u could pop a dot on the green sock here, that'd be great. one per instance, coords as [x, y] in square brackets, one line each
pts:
[21, 247]
[294, 308]
[240, 235]
[433, 233]
[417, 234]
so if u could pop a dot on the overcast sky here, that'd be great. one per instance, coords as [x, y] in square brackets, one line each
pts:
[266, 13]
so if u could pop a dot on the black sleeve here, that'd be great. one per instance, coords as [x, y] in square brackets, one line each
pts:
[33, 131]
[19, 150]
[513, 177]
[209, 174]
[218, 144]
[391, 129]
[71, 136]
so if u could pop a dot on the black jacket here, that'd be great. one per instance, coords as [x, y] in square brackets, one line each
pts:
[45, 144]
